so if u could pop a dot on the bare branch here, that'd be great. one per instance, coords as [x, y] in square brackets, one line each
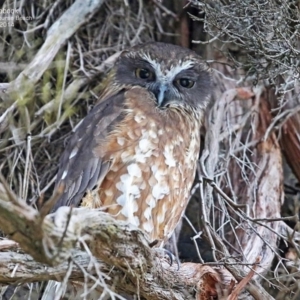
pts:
[76, 15]
[122, 248]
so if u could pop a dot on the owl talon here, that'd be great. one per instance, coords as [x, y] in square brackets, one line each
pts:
[171, 256]
[154, 243]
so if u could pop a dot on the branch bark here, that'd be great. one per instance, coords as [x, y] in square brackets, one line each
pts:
[112, 249]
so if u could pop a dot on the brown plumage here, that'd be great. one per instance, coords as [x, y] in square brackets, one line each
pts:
[137, 150]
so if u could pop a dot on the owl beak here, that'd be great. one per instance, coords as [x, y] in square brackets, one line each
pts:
[160, 94]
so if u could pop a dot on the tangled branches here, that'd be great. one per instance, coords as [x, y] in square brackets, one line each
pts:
[266, 33]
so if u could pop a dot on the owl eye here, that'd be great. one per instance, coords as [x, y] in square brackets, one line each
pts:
[186, 83]
[143, 73]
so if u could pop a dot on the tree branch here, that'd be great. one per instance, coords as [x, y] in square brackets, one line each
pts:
[74, 17]
[122, 251]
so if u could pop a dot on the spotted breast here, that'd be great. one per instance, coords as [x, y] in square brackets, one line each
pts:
[153, 162]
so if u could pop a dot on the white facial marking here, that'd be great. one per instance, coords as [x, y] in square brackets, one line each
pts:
[168, 74]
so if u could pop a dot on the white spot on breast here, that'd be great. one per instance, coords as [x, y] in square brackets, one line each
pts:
[121, 141]
[152, 134]
[125, 177]
[108, 193]
[135, 191]
[154, 169]
[131, 134]
[126, 186]
[64, 174]
[121, 185]
[147, 213]
[148, 226]
[142, 154]
[161, 214]
[175, 175]
[139, 118]
[114, 168]
[129, 207]
[159, 175]
[135, 221]
[192, 152]
[143, 185]
[121, 200]
[160, 132]
[151, 201]
[134, 170]
[73, 153]
[179, 139]
[169, 158]
[159, 191]
[167, 231]
[144, 145]
[152, 181]
[130, 192]
[125, 156]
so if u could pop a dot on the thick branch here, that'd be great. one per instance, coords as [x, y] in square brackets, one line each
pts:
[123, 250]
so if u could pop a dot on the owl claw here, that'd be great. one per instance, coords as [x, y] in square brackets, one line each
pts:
[171, 256]
[154, 243]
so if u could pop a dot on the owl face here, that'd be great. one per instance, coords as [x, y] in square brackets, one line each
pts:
[175, 75]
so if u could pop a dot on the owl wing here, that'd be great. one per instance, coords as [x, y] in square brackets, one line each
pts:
[80, 168]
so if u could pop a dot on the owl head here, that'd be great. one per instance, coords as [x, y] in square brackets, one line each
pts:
[175, 75]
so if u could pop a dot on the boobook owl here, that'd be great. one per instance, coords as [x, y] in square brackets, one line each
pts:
[135, 153]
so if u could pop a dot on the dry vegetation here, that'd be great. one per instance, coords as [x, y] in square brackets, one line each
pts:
[51, 66]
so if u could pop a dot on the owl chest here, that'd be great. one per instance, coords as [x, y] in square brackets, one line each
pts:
[150, 176]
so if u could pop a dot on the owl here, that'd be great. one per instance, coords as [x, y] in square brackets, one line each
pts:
[135, 154]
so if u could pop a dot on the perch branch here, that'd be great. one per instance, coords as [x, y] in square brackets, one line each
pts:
[122, 249]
